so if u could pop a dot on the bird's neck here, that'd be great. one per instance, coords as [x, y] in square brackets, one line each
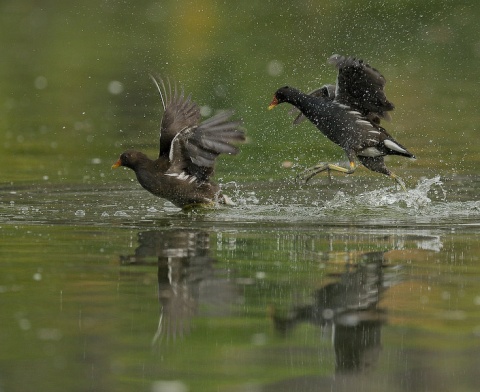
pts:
[297, 98]
[307, 104]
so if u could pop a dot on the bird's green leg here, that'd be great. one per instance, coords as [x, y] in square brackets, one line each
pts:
[399, 181]
[314, 170]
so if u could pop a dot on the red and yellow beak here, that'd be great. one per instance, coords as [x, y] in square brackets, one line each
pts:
[273, 103]
[117, 164]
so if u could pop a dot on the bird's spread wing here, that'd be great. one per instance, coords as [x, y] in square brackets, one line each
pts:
[194, 150]
[361, 87]
[180, 112]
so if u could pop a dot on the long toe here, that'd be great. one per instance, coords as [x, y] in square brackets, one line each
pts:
[311, 172]
[399, 181]
[304, 177]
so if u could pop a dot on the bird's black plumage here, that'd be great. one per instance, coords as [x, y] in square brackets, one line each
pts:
[349, 114]
[187, 152]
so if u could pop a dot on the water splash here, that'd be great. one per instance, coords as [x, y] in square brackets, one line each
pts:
[416, 198]
[238, 196]
[426, 203]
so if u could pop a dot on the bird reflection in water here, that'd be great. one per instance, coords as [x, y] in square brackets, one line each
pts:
[188, 283]
[350, 306]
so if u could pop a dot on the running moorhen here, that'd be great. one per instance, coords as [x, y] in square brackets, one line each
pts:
[188, 150]
[349, 114]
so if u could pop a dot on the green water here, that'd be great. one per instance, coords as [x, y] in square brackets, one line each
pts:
[348, 284]
[82, 307]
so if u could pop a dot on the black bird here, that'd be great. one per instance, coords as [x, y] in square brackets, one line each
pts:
[349, 114]
[188, 150]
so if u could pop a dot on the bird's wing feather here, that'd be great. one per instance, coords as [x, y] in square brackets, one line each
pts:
[361, 87]
[180, 112]
[194, 150]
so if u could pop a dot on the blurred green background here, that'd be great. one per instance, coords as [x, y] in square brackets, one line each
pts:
[75, 90]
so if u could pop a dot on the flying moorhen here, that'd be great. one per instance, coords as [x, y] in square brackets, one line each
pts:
[349, 114]
[188, 149]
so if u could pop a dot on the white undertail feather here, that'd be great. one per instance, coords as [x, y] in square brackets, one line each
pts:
[394, 146]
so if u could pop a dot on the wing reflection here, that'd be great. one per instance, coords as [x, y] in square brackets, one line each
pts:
[188, 283]
[350, 306]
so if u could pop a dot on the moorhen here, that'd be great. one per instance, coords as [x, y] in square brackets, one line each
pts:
[188, 150]
[349, 114]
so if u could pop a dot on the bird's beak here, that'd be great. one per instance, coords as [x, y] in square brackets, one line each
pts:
[117, 164]
[273, 103]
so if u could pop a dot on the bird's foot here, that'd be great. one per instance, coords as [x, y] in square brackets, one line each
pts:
[311, 172]
[399, 181]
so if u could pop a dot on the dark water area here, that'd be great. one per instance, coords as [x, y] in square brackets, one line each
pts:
[341, 284]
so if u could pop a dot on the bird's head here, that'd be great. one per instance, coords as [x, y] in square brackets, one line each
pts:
[130, 159]
[280, 96]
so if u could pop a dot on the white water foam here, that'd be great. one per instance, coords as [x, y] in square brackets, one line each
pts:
[416, 198]
[427, 202]
[412, 200]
